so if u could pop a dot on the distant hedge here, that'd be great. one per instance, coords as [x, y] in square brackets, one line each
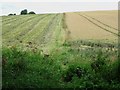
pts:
[23, 12]
[11, 14]
[31, 12]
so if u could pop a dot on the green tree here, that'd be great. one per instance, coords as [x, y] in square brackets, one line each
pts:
[24, 12]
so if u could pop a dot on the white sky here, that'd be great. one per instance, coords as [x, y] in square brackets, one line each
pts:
[56, 6]
[60, 0]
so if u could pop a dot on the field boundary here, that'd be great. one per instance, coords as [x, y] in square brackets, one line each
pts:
[65, 27]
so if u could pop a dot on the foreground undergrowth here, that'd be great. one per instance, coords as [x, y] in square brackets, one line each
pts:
[64, 68]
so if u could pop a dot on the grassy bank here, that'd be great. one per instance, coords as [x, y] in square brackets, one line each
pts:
[66, 67]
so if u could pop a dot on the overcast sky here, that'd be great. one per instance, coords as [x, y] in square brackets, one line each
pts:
[15, 6]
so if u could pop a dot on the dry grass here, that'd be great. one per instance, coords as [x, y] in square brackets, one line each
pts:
[81, 28]
[108, 17]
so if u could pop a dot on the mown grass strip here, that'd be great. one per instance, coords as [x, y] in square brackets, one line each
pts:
[22, 29]
[14, 19]
[7, 18]
[46, 31]
[54, 33]
[36, 29]
[13, 25]
[58, 34]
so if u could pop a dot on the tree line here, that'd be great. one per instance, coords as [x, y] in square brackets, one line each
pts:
[23, 12]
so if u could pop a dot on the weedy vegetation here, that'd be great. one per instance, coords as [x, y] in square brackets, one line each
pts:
[38, 52]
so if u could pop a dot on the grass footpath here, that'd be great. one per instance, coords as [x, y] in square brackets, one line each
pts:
[64, 68]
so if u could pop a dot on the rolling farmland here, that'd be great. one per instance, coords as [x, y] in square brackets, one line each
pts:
[70, 50]
[46, 30]
[39, 30]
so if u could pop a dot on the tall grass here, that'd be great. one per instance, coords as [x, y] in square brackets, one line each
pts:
[62, 69]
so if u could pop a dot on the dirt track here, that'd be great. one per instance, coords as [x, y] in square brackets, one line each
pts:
[81, 28]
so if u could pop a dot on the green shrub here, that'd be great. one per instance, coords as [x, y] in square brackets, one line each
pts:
[15, 59]
[99, 61]
[111, 72]
[73, 70]
[106, 70]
